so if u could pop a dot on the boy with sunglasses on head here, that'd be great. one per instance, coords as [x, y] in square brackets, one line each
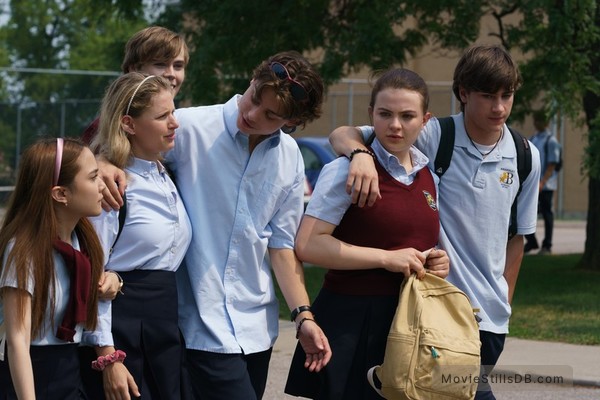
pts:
[241, 179]
[475, 193]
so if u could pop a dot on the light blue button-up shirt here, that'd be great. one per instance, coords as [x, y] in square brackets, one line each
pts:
[156, 234]
[240, 205]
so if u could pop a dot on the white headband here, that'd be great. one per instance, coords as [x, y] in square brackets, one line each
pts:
[135, 92]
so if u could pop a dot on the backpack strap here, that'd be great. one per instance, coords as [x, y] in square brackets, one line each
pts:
[122, 216]
[446, 146]
[523, 169]
[369, 141]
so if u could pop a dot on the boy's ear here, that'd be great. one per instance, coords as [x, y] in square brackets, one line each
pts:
[463, 94]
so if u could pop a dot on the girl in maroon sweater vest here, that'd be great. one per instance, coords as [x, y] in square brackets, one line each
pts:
[369, 250]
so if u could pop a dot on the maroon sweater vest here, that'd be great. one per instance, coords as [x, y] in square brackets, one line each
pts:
[405, 216]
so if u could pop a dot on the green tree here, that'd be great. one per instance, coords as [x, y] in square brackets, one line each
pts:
[59, 35]
[559, 40]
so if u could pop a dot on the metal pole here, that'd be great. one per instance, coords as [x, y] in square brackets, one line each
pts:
[62, 119]
[18, 144]
[350, 102]
[561, 191]
[334, 99]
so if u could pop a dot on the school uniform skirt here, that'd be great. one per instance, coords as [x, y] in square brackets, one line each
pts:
[55, 373]
[145, 326]
[357, 328]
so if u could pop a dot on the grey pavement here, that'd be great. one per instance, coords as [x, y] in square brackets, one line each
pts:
[576, 367]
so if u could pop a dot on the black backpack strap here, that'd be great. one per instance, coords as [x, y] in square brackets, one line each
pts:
[446, 147]
[122, 216]
[370, 139]
[523, 169]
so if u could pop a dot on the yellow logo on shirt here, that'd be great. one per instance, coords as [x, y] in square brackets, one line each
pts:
[430, 200]
[507, 178]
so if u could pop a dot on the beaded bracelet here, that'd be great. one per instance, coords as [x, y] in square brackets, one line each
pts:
[300, 325]
[297, 311]
[102, 361]
[366, 151]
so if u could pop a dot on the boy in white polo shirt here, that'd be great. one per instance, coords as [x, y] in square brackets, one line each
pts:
[475, 193]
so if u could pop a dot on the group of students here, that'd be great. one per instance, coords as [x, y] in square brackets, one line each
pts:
[168, 291]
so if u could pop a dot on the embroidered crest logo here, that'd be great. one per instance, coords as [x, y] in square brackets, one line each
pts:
[507, 178]
[430, 200]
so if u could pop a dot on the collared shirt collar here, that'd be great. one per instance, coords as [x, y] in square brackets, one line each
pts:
[230, 115]
[505, 148]
[144, 167]
[391, 163]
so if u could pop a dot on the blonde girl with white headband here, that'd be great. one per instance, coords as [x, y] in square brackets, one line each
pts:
[138, 343]
[50, 272]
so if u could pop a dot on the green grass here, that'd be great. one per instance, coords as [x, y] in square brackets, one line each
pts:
[553, 301]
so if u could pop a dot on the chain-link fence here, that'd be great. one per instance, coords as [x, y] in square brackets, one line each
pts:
[23, 122]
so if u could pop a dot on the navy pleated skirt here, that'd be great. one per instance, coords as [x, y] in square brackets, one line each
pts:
[145, 326]
[357, 329]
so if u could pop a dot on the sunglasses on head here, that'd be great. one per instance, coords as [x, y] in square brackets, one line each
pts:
[297, 91]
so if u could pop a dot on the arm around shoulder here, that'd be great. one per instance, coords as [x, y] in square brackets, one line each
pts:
[363, 181]
[115, 180]
[345, 139]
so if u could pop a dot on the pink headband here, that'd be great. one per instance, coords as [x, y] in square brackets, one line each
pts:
[58, 161]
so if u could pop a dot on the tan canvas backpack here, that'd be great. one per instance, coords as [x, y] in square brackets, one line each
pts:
[433, 347]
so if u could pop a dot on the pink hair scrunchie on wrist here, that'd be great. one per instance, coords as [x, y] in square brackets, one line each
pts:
[102, 361]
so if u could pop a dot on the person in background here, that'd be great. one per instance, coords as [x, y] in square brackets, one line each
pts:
[369, 251]
[550, 150]
[50, 272]
[241, 178]
[153, 51]
[475, 193]
[137, 125]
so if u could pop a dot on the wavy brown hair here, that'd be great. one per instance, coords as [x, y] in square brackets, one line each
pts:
[30, 225]
[301, 70]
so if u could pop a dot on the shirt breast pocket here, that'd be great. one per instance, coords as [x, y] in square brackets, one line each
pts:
[268, 202]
